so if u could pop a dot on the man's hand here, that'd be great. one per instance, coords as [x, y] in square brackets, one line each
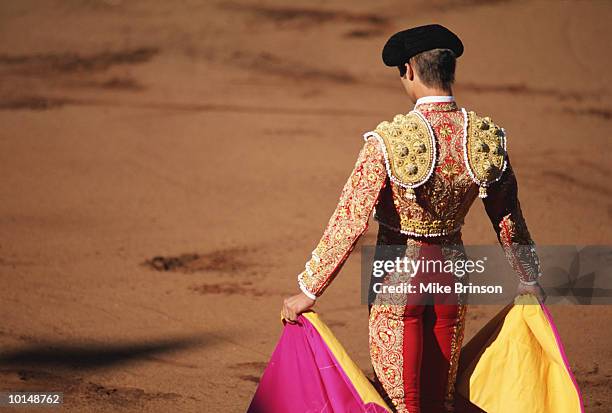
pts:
[535, 289]
[295, 305]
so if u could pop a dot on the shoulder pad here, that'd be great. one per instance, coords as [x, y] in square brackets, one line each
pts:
[484, 150]
[410, 149]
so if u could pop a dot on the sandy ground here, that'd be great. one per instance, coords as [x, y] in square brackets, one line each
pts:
[220, 133]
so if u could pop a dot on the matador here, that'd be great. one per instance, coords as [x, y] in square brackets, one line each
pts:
[419, 173]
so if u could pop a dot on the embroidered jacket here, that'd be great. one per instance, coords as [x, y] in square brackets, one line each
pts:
[422, 172]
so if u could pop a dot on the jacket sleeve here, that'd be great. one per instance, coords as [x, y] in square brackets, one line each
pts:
[504, 210]
[348, 222]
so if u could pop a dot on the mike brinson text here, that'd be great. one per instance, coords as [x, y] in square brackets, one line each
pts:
[436, 288]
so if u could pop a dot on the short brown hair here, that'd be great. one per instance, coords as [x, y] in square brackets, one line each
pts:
[436, 67]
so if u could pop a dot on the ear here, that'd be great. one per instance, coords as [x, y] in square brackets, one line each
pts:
[409, 72]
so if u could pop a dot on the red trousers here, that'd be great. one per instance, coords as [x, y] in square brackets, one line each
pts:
[411, 346]
[428, 333]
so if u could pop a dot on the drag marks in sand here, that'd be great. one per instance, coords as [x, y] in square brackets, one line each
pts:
[273, 65]
[598, 384]
[601, 113]
[34, 103]
[521, 89]
[222, 260]
[22, 76]
[72, 62]
[228, 288]
[219, 264]
[249, 371]
[307, 17]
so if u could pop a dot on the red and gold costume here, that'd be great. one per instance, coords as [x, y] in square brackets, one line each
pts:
[421, 173]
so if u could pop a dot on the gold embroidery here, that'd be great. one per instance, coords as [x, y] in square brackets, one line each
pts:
[485, 151]
[450, 170]
[386, 326]
[349, 220]
[386, 351]
[437, 107]
[456, 342]
[410, 149]
[448, 193]
[434, 227]
[445, 131]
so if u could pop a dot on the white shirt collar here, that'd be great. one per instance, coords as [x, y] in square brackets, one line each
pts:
[434, 99]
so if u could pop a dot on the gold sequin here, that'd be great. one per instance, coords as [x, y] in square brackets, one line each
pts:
[433, 227]
[410, 148]
[485, 149]
[445, 131]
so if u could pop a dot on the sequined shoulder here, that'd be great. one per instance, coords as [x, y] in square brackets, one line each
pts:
[484, 151]
[410, 149]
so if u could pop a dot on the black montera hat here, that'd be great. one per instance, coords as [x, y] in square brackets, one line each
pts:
[405, 44]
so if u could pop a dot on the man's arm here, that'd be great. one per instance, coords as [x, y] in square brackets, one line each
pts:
[348, 222]
[504, 210]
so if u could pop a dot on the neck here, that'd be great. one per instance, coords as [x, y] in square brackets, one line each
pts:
[433, 92]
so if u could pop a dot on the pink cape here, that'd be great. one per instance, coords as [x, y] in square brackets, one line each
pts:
[310, 372]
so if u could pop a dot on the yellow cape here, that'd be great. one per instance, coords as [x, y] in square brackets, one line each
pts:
[516, 363]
